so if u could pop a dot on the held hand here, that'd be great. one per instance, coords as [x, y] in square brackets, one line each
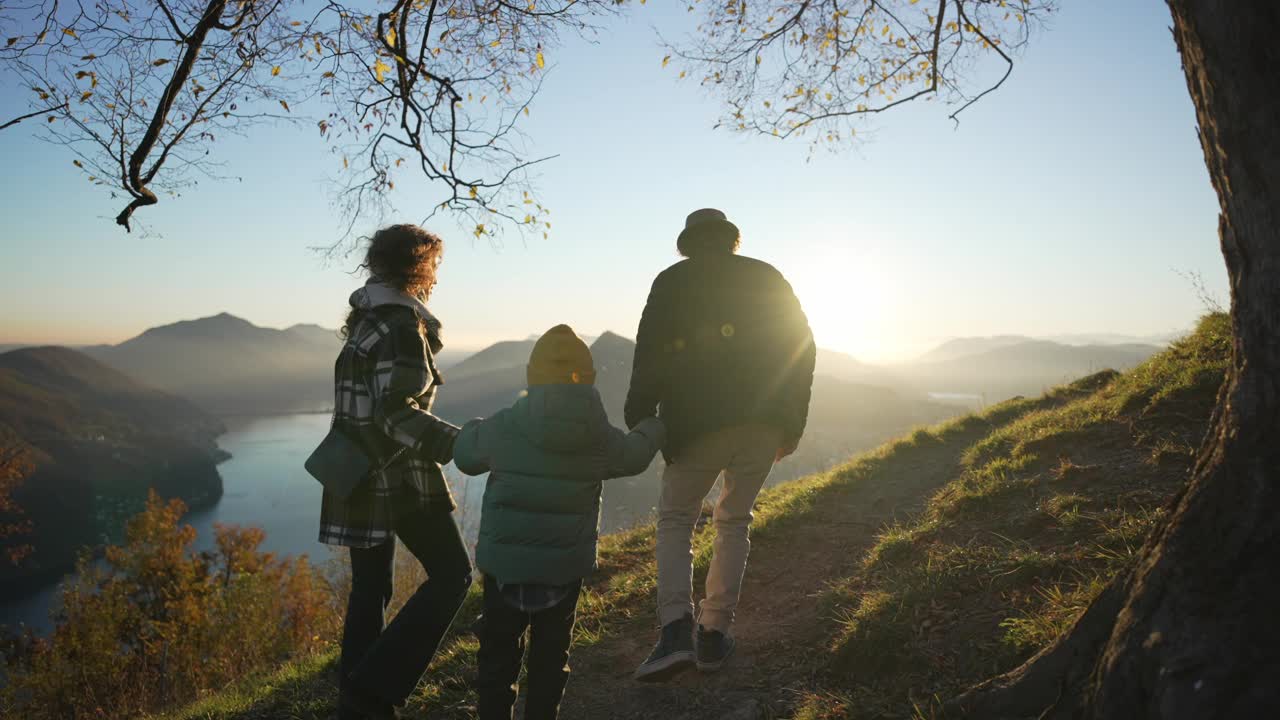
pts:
[786, 449]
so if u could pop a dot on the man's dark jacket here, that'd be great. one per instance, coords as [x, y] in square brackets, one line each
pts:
[723, 342]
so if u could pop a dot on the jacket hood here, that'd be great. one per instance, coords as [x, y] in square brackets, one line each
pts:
[562, 418]
[375, 294]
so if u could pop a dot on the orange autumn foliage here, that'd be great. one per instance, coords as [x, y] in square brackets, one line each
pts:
[14, 468]
[155, 623]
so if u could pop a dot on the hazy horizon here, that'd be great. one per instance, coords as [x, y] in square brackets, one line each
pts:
[1082, 337]
[1067, 202]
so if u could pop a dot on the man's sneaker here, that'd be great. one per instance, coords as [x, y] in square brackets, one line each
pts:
[714, 649]
[672, 655]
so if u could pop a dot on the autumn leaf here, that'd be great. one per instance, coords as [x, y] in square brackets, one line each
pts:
[77, 163]
[473, 191]
[12, 42]
[86, 96]
[380, 69]
[69, 31]
[327, 75]
[275, 71]
[285, 105]
[479, 229]
[539, 60]
[666, 60]
[161, 61]
[391, 37]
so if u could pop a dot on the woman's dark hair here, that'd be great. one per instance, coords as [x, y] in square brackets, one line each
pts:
[405, 257]
[720, 238]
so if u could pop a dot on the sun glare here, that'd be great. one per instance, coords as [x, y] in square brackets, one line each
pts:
[845, 295]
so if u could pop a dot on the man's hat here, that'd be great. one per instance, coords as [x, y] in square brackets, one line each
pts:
[705, 219]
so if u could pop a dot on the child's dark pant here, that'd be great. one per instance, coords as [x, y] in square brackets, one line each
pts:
[502, 647]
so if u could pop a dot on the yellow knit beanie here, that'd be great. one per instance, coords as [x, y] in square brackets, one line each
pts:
[561, 358]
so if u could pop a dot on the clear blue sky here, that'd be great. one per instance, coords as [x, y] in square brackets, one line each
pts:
[1063, 203]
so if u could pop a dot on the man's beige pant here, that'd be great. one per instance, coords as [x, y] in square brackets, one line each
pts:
[745, 454]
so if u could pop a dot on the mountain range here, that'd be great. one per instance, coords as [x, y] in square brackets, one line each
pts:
[108, 421]
[1001, 367]
[227, 365]
[98, 440]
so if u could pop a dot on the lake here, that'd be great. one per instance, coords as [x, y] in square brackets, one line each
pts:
[264, 485]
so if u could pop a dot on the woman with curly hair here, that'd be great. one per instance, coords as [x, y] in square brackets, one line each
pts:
[385, 380]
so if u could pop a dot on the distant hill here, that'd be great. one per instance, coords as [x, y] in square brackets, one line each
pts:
[999, 368]
[226, 364]
[1160, 339]
[99, 440]
[314, 334]
[968, 346]
[498, 356]
[844, 367]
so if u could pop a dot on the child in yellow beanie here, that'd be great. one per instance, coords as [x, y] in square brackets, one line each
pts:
[546, 456]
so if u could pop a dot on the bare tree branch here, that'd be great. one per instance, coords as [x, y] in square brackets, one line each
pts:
[786, 68]
[30, 115]
[141, 90]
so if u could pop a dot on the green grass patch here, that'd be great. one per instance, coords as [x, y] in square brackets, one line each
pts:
[1049, 505]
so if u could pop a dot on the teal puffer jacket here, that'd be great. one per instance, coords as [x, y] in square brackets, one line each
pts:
[546, 457]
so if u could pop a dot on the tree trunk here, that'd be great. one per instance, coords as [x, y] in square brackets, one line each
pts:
[1193, 630]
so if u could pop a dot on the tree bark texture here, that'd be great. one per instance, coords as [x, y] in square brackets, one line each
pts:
[1193, 630]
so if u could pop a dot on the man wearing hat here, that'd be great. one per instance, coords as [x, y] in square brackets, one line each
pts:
[725, 357]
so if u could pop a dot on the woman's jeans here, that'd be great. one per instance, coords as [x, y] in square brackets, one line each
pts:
[387, 664]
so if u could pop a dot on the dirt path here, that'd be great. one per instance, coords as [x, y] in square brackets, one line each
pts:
[779, 617]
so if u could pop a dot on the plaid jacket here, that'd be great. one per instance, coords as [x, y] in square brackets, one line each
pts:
[385, 380]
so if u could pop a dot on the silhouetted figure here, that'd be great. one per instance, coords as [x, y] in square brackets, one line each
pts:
[385, 380]
[724, 354]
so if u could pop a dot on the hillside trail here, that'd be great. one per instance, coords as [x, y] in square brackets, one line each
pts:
[779, 618]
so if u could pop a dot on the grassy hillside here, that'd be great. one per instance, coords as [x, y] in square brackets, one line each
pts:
[887, 584]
